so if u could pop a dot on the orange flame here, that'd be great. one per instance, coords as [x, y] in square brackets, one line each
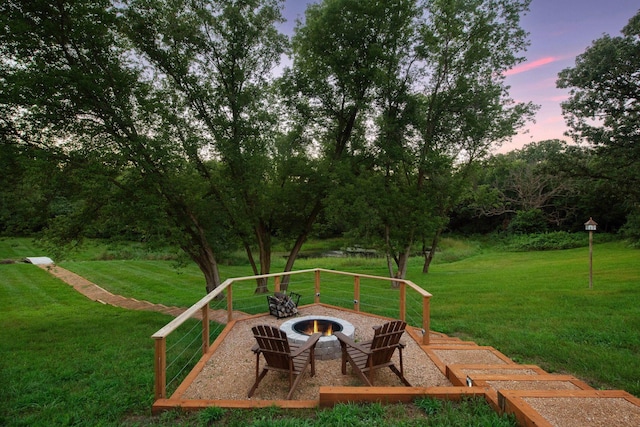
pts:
[315, 327]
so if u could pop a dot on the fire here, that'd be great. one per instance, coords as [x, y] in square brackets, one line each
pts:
[325, 329]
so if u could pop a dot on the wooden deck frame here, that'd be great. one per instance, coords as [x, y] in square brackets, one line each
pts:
[328, 395]
[202, 308]
[502, 401]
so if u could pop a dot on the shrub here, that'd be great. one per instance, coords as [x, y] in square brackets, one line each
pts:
[556, 240]
[530, 221]
[547, 241]
[631, 229]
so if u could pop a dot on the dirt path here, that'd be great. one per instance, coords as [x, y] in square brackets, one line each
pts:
[101, 295]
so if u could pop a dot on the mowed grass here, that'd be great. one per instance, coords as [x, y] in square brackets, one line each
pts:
[65, 360]
[536, 307]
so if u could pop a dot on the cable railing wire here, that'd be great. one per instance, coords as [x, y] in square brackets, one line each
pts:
[195, 325]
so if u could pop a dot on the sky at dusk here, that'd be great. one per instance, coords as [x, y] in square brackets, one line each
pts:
[559, 30]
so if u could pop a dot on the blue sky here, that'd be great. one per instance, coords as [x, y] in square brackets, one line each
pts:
[559, 30]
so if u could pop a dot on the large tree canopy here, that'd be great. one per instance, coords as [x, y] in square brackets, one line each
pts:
[603, 108]
[165, 115]
[440, 104]
[164, 98]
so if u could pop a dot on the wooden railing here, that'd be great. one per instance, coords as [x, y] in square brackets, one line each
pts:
[202, 307]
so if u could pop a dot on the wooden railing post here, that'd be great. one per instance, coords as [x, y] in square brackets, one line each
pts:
[205, 329]
[160, 365]
[276, 285]
[316, 298]
[426, 319]
[229, 303]
[403, 301]
[356, 293]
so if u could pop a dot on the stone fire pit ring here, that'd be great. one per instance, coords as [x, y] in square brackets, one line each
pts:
[328, 347]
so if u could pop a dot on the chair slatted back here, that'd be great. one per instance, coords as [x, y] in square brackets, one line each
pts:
[274, 346]
[385, 342]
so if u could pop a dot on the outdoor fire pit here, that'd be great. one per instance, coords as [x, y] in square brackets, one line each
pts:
[328, 347]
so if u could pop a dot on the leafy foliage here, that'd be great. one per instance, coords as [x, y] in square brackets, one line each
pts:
[547, 241]
[603, 110]
[631, 229]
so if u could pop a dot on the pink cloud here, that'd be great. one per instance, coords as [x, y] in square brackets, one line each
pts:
[528, 66]
[559, 98]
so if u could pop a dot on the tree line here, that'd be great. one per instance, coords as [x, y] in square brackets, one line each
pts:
[173, 121]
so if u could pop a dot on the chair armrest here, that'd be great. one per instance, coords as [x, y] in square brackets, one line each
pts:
[255, 348]
[348, 341]
[311, 342]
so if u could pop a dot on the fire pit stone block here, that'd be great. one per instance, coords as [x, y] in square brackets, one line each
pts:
[328, 347]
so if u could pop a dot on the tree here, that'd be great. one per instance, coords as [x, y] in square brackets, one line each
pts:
[217, 58]
[444, 105]
[603, 109]
[340, 54]
[527, 186]
[27, 199]
[187, 123]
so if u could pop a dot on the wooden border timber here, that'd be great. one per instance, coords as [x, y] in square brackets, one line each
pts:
[329, 396]
[163, 405]
[472, 347]
[513, 402]
[457, 376]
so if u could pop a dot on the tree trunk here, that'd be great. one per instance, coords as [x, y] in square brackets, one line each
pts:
[202, 254]
[209, 268]
[390, 252]
[264, 245]
[206, 261]
[428, 254]
[284, 285]
[252, 261]
[390, 264]
[403, 261]
[302, 237]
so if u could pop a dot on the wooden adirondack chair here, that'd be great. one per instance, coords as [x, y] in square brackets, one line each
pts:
[366, 357]
[281, 356]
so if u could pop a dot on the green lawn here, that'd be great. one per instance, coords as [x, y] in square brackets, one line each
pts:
[538, 308]
[63, 358]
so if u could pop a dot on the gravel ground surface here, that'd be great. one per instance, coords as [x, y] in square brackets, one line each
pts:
[585, 411]
[230, 372]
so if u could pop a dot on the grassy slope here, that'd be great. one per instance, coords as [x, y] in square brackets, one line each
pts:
[535, 307]
[538, 308]
[62, 357]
